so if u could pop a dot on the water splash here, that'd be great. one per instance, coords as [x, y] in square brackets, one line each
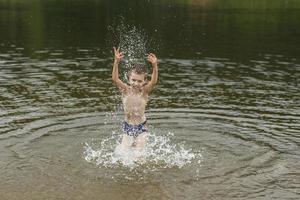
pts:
[132, 41]
[160, 152]
[133, 44]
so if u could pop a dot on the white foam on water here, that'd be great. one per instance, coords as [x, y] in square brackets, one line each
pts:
[160, 152]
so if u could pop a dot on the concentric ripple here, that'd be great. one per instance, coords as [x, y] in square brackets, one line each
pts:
[217, 126]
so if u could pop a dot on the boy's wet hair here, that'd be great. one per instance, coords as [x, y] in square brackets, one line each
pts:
[138, 69]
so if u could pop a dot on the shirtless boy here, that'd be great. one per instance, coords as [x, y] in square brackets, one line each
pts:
[135, 98]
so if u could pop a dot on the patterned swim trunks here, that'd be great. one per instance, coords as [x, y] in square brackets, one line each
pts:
[134, 130]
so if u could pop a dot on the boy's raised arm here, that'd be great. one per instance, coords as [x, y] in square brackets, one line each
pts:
[153, 60]
[115, 72]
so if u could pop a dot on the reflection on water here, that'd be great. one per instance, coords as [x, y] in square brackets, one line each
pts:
[231, 28]
[224, 117]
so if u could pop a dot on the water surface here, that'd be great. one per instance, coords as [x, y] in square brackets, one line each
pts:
[224, 117]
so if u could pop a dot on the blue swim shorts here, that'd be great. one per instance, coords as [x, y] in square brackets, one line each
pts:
[134, 130]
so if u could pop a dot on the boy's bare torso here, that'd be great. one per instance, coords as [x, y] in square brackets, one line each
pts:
[134, 107]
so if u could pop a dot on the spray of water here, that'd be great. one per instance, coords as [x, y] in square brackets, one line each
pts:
[133, 42]
[160, 152]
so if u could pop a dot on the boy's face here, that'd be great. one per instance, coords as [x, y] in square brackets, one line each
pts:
[137, 80]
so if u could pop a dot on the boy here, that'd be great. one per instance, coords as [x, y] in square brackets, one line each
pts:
[134, 98]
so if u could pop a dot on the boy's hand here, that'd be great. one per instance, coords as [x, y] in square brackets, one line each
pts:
[118, 55]
[152, 59]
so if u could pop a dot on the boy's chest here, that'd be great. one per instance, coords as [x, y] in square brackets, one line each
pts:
[135, 100]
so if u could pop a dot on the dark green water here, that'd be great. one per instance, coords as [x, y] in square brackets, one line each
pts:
[224, 118]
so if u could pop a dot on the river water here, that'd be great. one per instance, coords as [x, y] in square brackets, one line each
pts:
[224, 119]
